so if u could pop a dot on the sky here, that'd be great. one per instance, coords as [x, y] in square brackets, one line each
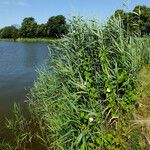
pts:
[14, 11]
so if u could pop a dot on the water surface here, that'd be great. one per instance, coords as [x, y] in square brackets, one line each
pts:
[18, 65]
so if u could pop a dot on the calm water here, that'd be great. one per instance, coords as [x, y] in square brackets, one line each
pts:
[18, 64]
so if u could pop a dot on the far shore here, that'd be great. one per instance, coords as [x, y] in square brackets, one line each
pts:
[44, 40]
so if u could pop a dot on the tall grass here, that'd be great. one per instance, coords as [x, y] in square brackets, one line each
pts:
[84, 98]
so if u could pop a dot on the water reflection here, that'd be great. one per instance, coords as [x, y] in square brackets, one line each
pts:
[18, 62]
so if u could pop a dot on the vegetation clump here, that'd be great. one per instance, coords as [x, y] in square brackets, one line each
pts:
[83, 99]
[55, 27]
[137, 21]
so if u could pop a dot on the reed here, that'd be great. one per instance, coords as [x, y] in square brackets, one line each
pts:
[83, 99]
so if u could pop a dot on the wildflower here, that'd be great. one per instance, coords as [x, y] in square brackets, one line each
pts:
[84, 82]
[108, 90]
[63, 35]
[73, 31]
[91, 119]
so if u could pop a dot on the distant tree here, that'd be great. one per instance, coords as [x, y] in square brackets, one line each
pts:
[138, 18]
[41, 31]
[9, 32]
[17, 26]
[56, 26]
[28, 28]
[119, 13]
[136, 21]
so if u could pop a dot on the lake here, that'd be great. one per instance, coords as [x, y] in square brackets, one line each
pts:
[18, 65]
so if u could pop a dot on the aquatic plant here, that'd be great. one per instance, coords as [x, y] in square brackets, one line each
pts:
[83, 99]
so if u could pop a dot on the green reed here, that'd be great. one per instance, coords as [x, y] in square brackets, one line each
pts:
[83, 99]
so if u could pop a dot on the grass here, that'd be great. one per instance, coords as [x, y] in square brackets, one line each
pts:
[142, 112]
[85, 96]
[45, 40]
[144, 109]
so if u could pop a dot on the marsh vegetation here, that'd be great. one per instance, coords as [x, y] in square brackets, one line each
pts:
[85, 97]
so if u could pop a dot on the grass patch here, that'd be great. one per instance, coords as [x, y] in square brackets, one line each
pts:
[36, 40]
[142, 112]
[135, 139]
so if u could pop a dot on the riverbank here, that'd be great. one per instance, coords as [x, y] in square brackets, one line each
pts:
[32, 40]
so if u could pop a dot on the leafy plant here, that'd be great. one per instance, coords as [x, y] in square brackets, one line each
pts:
[84, 97]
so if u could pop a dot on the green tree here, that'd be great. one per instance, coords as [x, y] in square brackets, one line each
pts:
[41, 30]
[120, 13]
[141, 18]
[9, 32]
[28, 28]
[56, 26]
[136, 21]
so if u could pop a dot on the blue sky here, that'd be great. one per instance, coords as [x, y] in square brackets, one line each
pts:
[13, 11]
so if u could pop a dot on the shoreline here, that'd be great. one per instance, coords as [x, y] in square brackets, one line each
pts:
[34, 40]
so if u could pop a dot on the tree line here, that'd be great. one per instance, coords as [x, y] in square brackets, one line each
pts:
[55, 27]
[137, 21]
